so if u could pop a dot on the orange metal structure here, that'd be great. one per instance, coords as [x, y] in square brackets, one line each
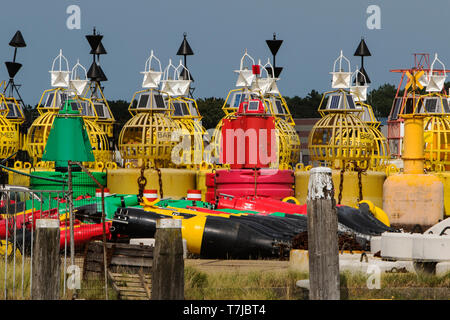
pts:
[406, 98]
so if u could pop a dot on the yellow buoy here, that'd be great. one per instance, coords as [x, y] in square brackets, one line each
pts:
[190, 147]
[371, 186]
[377, 212]
[380, 151]
[98, 110]
[347, 140]
[174, 181]
[147, 136]
[9, 138]
[413, 197]
[40, 129]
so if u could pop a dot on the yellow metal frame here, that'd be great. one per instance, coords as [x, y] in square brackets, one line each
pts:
[4, 112]
[133, 110]
[436, 134]
[105, 124]
[53, 108]
[18, 120]
[9, 142]
[43, 109]
[373, 120]
[437, 143]
[11, 138]
[340, 138]
[102, 99]
[322, 110]
[186, 101]
[421, 99]
[380, 152]
[147, 135]
[266, 100]
[230, 110]
[189, 125]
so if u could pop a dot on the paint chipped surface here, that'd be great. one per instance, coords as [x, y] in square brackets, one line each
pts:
[320, 184]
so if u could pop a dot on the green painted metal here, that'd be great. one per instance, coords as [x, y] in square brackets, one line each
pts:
[81, 182]
[112, 203]
[68, 139]
[201, 204]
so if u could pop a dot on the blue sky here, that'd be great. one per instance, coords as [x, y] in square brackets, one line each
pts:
[218, 31]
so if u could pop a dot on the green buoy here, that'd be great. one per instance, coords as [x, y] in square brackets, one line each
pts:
[68, 139]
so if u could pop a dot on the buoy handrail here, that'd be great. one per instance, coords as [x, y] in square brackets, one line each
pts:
[241, 67]
[148, 63]
[60, 57]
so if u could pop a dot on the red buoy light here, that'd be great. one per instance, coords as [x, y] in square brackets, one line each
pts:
[256, 69]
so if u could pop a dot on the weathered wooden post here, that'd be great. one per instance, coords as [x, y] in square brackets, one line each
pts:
[46, 261]
[168, 263]
[323, 247]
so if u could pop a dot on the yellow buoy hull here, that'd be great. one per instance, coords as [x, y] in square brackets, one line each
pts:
[372, 187]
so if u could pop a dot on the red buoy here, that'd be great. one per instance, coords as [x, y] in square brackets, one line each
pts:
[151, 194]
[194, 195]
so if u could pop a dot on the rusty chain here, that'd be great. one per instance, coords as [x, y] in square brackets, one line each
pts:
[141, 181]
[161, 194]
[341, 183]
[360, 172]
[360, 184]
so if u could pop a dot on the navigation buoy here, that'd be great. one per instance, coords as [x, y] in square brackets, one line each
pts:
[194, 195]
[151, 195]
[98, 192]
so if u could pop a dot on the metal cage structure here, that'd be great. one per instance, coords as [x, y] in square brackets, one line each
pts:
[409, 90]
[434, 107]
[11, 117]
[380, 153]
[341, 137]
[148, 134]
[101, 113]
[184, 111]
[9, 143]
[255, 86]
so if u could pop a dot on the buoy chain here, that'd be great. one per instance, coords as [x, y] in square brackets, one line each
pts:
[341, 182]
[142, 181]
[160, 183]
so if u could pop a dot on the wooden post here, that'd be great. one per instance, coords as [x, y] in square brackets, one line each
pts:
[168, 263]
[46, 262]
[322, 236]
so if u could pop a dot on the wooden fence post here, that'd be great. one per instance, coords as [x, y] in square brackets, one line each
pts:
[322, 236]
[168, 263]
[46, 262]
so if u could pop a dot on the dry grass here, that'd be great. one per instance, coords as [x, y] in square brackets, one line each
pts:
[249, 285]
[281, 286]
[241, 286]
[19, 289]
[16, 287]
